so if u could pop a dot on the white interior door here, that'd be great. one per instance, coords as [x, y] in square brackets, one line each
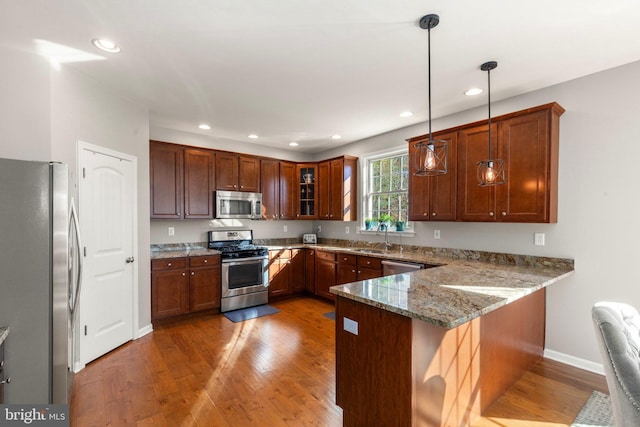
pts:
[106, 214]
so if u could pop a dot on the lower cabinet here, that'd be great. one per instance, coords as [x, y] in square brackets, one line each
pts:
[286, 272]
[310, 270]
[325, 274]
[184, 285]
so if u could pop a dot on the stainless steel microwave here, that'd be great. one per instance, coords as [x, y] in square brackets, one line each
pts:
[238, 204]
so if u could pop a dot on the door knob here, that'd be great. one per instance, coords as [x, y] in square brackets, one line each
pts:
[130, 259]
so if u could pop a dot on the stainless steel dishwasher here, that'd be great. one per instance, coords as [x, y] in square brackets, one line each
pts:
[396, 267]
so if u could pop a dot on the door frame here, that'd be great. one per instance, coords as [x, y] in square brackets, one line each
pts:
[82, 145]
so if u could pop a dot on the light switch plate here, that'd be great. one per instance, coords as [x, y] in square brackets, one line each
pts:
[351, 326]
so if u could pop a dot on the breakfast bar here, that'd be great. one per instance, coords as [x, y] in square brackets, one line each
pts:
[437, 347]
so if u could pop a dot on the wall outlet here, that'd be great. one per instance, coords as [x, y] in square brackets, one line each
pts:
[538, 239]
[171, 231]
[436, 234]
[347, 230]
[285, 228]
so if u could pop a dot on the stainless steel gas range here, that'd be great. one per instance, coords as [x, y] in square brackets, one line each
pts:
[245, 272]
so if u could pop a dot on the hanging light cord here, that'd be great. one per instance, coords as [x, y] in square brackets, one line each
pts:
[429, 76]
[489, 101]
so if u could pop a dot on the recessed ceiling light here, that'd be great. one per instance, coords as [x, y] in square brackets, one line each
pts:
[253, 136]
[204, 126]
[406, 114]
[293, 144]
[106, 45]
[336, 136]
[473, 91]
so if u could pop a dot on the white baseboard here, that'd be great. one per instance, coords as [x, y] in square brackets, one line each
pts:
[144, 331]
[587, 365]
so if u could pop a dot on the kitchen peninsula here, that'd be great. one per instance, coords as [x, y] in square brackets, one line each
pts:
[437, 347]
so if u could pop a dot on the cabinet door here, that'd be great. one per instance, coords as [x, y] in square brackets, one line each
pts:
[226, 171]
[368, 273]
[336, 189]
[204, 288]
[198, 184]
[279, 272]
[165, 164]
[346, 273]
[325, 278]
[443, 188]
[310, 270]
[524, 145]
[306, 193]
[475, 203]
[169, 293]
[296, 271]
[288, 185]
[324, 190]
[270, 187]
[249, 174]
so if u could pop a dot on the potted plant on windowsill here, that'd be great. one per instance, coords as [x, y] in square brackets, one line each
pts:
[384, 221]
[370, 223]
[399, 225]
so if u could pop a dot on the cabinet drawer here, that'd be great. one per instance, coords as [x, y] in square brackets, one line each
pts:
[327, 256]
[370, 262]
[347, 259]
[168, 264]
[204, 261]
[280, 254]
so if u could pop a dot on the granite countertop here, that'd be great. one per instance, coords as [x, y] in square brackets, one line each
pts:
[180, 250]
[4, 332]
[455, 292]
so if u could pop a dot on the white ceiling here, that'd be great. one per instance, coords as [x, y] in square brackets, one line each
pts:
[302, 70]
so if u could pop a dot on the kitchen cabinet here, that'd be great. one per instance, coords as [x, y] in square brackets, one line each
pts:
[237, 172]
[310, 270]
[325, 274]
[270, 188]
[433, 197]
[528, 143]
[307, 194]
[288, 187]
[181, 182]
[204, 282]
[184, 285]
[286, 272]
[337, 189]
[352, 268]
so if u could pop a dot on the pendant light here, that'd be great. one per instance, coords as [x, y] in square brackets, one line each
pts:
[431, 156]
[490, 171]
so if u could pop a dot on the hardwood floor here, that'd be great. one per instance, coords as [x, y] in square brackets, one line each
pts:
[278, 370]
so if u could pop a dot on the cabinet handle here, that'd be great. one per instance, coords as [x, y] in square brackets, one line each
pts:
[504, 214]
[242, 186]
[490, 213]
[187, 214]
[235, 186]
[368, 262]
[178, 213]
[433, 214]
[169, 264]
[193, 273]
[353, 271]
[7, 381]
[184, 274]
[425, 214]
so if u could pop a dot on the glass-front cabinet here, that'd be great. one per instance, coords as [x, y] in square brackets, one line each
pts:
[307, 191]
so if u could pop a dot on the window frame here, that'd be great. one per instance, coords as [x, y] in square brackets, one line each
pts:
[366, 207]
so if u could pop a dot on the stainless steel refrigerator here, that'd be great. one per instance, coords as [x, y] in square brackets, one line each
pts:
[39, 279]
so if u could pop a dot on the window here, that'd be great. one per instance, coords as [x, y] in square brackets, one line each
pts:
[385, 186]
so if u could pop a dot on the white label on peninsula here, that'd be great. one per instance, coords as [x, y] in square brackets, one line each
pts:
[351, 326]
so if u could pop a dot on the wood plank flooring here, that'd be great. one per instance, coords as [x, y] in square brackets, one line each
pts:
[278, 370]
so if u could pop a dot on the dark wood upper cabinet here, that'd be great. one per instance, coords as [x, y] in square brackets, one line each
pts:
[288, 188]
[165, 164]
[198, 183]
[433, 197]
[236, 172]
[181, 182]
[528, 142]
[270, 187]
[337, 189]
[307, 194]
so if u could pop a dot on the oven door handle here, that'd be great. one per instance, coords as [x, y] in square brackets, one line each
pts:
[238, 261]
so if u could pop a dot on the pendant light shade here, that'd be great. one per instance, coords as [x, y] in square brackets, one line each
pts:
[490, 171]
[431, 155]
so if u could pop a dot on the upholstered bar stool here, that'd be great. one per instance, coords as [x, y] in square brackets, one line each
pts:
[618, 333]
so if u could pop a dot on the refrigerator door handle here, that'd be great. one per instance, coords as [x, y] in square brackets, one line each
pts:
[75, 282]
